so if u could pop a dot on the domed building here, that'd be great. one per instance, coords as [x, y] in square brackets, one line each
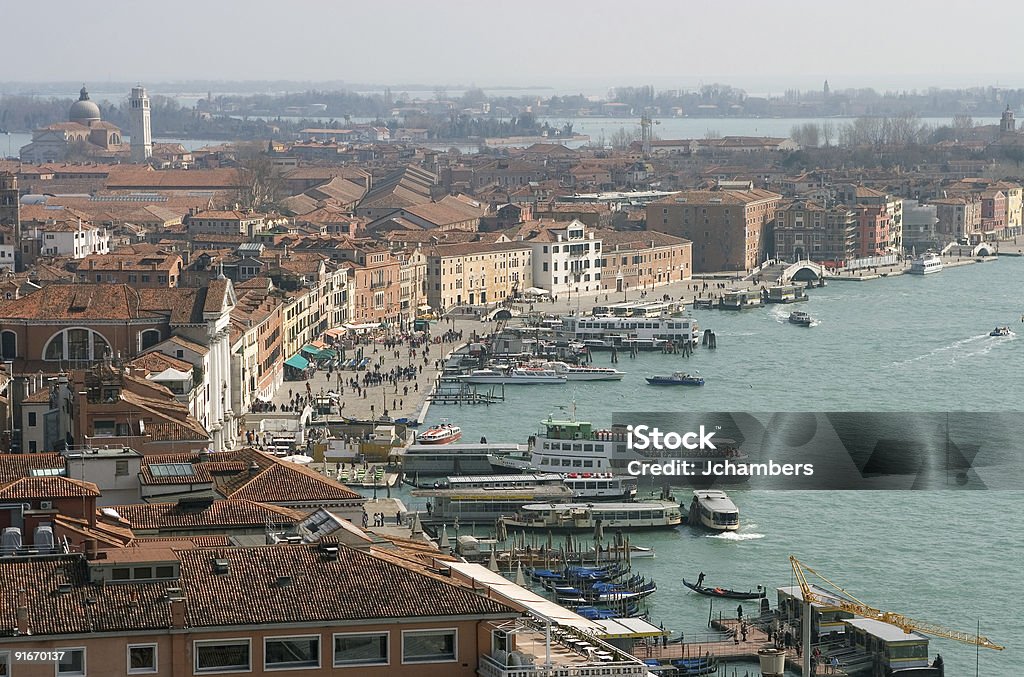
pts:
[85, 133]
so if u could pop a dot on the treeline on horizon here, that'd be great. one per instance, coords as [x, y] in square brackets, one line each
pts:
[889, 117]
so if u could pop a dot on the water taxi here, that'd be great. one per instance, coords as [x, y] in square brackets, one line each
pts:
[927, 263]
[589, 516]
[442, 433]
[1001, 331]
[712, 509]
[679, 378]
[800, 318]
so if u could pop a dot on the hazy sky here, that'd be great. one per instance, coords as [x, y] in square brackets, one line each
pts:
[758, 45]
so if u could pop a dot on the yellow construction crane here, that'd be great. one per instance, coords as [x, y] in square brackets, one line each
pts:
[847, 602]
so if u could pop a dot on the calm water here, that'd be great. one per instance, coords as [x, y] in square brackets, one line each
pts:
[903, 344]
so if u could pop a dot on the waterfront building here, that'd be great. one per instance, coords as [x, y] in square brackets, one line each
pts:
[727, 227]
[642, 260]
[477, 272]
[566, 256]
[84, 133]
[919, 227]
[804, 229]
[959, 218]
[142, 136]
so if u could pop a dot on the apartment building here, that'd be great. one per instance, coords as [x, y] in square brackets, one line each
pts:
[728, 228]
[475, 273]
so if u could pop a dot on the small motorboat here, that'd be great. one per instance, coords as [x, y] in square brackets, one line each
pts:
[677, 379]
[1001, 331]
[725, 593]
[800, 318]
[442, 433]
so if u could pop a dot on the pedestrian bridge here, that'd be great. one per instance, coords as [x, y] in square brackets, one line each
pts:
[804, 271]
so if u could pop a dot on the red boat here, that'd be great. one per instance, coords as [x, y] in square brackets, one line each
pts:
[442, 433]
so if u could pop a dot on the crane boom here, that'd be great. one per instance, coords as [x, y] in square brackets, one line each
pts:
[850, 603]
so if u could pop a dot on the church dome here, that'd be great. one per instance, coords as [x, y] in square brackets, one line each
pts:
[84, 111]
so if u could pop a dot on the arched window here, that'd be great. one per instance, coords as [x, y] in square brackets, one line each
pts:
[77, 345]
[8, 345]
[148, 338]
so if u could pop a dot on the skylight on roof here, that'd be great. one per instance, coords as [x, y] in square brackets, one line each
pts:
[172, 470]
[47, 472]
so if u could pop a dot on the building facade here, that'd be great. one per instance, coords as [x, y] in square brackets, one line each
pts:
[727, 227]
[477, 273]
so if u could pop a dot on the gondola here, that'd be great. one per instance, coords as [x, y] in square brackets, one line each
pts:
[724, 593]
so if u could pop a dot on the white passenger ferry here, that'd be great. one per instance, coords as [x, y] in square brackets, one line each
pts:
[573, 372]
[712, 509]
[620, 331]
[587, 516]
[926, 263]
[602, 486]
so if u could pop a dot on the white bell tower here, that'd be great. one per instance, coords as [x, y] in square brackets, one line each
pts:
[142, 137]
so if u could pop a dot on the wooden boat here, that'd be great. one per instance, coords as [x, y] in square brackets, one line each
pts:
[724, 592]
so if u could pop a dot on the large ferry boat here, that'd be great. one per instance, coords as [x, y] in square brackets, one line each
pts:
[712, 509]
[926, 263]
[485, 499]
[572, 446]
[588, 516]
[620, 332]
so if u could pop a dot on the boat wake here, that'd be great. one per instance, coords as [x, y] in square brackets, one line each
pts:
[736, 536]
[938, 352]
[987, 347]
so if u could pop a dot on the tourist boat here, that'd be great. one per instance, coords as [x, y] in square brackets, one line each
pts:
[461, 458]
[677, 379]
[800, 318]
[601, 486]
[574, 372]
[1001, 331]
[486, 498]
[929, 262]
[604, 332]
[442, 433]
[567, 445]
[712, 509]
[590, 516]
[725, 593]
[515, 376]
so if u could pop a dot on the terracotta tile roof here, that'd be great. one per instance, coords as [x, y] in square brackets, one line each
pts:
[215, 515]
[356, 586]
[47, 487]
[469, 248]
[716, 197]
[16, 466]
[180, 542]
[293, 483]
[155, 362]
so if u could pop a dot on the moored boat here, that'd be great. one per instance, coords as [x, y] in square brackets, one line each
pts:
[574, 372]
[594, 516]
[679, 378]
[927, 263]
[442, 433]
[516, 376]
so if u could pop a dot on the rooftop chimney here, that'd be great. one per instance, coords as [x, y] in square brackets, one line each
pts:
[22, 612]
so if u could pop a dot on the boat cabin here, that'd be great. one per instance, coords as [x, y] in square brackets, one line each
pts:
[786, 293]
[739, 299]
[888, 645]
